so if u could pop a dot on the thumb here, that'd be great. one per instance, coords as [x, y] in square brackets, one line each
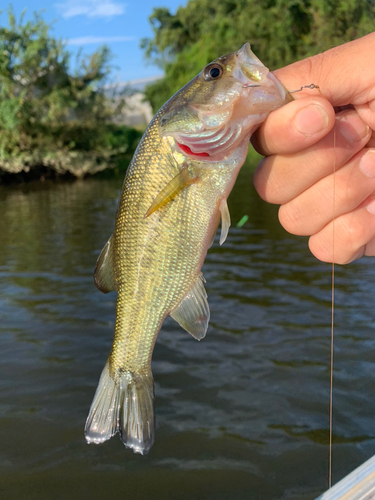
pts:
[345, 74]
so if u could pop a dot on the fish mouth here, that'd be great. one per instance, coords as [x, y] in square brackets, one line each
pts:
[218, 131]
[252, 73]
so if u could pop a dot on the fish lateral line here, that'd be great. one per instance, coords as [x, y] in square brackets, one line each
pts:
[180, 182]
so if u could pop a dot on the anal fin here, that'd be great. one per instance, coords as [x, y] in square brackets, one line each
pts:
[103, 276]
[193, 312]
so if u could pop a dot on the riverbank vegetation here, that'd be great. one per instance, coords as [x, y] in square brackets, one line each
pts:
[58, 117]
[53, 119]
[280, 32]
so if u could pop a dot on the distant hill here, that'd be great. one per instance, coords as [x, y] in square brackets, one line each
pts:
[137, 111]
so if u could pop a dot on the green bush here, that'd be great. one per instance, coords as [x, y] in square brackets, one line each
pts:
[50, 116]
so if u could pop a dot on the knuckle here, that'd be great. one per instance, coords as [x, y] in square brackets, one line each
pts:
[346, 189]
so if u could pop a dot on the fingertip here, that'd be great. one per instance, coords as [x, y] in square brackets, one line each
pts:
[323, 250]
[295, 126]
[320, 249]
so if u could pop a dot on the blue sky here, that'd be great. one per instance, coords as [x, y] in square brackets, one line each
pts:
[90, 23]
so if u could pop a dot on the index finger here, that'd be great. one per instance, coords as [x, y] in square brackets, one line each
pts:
[336, 72]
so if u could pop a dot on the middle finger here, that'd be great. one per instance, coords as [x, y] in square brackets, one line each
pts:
[332, 196]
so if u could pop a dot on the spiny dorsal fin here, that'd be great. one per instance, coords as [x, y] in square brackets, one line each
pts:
[181, 181]
[193, 312]
[103, 275]
[225, 220]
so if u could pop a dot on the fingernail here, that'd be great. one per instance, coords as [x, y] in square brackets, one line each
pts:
[371, 207]
[352, 127]
[311, 120]
[367, 163]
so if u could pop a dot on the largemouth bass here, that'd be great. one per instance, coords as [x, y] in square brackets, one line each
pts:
[174, 194]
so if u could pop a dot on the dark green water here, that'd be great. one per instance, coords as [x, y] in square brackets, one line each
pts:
[241, 415]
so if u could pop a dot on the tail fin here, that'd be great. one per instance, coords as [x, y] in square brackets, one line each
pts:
[125, 406]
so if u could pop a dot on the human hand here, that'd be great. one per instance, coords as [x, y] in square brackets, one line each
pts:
[305, 142]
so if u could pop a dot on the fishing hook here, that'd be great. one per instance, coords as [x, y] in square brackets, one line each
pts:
[312, 86]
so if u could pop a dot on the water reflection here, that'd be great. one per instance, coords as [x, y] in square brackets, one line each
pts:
[242, 414]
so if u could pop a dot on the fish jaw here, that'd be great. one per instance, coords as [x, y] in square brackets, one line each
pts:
[265, 88]
[210, 129]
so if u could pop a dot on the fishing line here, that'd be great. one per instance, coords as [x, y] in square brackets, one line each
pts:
[332, 313]
[312, 86]
[332, 302]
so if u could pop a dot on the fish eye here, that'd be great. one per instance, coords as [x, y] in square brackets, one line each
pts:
[213, 72]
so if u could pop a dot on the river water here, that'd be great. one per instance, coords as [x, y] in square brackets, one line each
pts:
[242, 414]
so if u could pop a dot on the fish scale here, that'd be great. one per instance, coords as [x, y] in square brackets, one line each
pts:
[168, 213]
[154, 244]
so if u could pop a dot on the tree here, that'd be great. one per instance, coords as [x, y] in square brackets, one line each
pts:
[51, 117]
[280, 32]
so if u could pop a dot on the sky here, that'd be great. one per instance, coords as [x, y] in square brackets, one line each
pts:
[90, 23]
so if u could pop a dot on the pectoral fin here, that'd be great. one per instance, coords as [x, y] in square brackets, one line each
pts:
[103, 275]
[171, 190]
[225, 220]
[193, 312]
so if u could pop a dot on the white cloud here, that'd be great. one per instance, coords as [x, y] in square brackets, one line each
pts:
[90, 8]
[87, 40]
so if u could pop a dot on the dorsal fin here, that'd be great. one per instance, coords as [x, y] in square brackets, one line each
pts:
[103, 276]
[193, 312]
